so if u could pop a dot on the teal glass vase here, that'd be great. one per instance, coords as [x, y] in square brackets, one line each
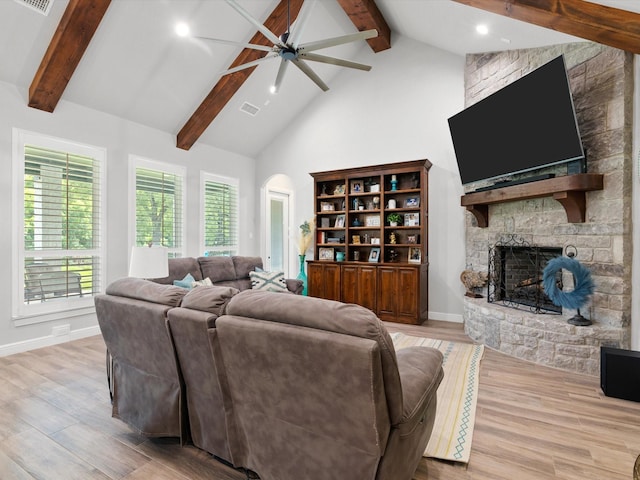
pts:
[302, 275]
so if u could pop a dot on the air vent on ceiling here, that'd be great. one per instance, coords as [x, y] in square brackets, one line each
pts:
[250, 109]
[41, 6]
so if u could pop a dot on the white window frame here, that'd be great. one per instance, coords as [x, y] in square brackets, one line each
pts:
[31, 313]
[135, 162]
[211, 177]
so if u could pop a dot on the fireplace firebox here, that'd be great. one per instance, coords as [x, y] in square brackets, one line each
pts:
[515, 275]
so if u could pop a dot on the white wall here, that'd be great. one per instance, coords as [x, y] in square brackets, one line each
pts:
[120, 138]
[396, 112]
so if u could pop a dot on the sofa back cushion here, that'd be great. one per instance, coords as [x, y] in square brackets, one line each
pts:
[319, 393]
[209, 299]
[147, 290]
[245, 265]
[229, 271]
[330, 316]
[218, 269]
[178, 269]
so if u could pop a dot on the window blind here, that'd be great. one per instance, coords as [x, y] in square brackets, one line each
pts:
[220, 217]
[159, 209]
[61, 225]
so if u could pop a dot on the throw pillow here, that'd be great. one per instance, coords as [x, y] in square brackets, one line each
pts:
[202, 283]
[269, 281]
[186, 282]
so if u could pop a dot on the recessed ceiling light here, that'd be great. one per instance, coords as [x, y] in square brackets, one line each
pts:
[182, 29]
[482, 29]
[273, 90]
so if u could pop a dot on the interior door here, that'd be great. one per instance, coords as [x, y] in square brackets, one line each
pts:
[277, 235]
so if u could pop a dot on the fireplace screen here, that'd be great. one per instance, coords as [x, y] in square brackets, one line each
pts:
[515, 275]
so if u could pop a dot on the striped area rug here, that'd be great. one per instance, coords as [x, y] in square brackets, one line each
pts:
[457, 396]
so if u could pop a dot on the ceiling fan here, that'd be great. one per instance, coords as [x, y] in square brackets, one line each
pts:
[289, 49]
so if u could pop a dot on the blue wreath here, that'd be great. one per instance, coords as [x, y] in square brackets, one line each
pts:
[583, 283]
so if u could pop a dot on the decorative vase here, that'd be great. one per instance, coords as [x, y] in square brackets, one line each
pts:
[302, 276]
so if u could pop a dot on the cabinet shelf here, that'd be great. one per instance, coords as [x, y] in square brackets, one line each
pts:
[389, 193]
[569, 190]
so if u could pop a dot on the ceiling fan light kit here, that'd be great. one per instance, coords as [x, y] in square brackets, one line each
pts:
[288, 48]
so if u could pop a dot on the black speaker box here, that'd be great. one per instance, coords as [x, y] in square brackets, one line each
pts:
[620, 373]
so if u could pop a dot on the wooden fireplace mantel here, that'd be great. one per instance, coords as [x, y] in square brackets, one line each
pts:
[569, 190]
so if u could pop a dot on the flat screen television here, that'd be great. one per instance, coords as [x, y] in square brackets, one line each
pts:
[529, 124]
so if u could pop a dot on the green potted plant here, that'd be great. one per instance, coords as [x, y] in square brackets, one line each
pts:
[394, 219]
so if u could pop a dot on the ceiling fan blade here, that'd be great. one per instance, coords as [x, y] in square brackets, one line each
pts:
[334, 61]
[249, 64]
[298, 27]
[280, 75]
[253, 46]
[310, 73]
[332, 42]
[273, 38]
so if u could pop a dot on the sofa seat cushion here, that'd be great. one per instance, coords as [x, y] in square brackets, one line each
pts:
[209, 299]
[147, 290]
[268, 281]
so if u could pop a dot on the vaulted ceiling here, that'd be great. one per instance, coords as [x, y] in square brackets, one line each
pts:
[122, 57]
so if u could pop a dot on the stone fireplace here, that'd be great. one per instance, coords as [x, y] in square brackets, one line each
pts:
[602, 84]
[515, 275]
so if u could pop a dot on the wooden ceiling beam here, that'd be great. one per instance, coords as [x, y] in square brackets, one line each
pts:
[229, 84]
[72, 37]
[591, 21]
[366, 15]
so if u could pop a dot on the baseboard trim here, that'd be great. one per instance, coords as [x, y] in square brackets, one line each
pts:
[446, 317]
[47, 341]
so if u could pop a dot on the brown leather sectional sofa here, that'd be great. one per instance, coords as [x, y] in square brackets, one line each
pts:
[290, 387]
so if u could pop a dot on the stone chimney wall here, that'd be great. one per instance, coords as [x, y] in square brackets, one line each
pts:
[601, 80]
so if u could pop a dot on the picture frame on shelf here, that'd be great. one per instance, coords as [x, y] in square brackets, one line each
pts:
[327, 206]
[372, 221]
[375, 241]
[357, 186]
[415, 255]
[412, 202]
[326, 253]
[412, 219]
[412, 239]
[339, 190]
[339, 221]
[374, 254]
[325, 222]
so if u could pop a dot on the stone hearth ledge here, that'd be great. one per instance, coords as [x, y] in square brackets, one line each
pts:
[540, 338]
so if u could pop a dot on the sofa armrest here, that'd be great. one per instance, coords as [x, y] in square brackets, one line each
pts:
[420, 370]
[294, 285]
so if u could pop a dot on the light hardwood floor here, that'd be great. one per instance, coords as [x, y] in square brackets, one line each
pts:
[532, 422]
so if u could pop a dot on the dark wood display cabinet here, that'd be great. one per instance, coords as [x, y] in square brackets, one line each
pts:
[360, 255]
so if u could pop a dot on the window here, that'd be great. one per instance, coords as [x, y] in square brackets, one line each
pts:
[219, 214]
[159, 205]
[58, 247]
